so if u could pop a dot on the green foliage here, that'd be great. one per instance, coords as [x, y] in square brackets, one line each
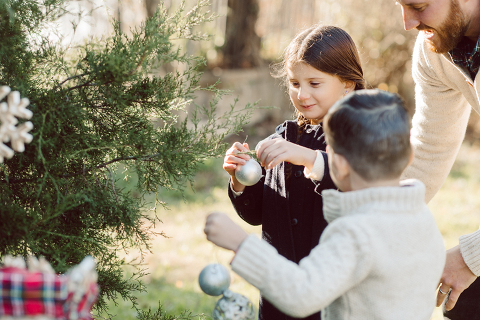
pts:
[159, 314]
[96, 107]
[173, 301]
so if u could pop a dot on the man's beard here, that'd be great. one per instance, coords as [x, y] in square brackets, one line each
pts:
[450, 32]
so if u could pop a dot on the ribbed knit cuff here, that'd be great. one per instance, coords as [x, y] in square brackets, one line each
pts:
[318, 169]
[470, 249]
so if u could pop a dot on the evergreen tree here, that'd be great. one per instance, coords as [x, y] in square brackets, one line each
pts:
[97, 107]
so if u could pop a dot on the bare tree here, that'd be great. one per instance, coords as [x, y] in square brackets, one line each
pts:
[242, 44]
[151, 6]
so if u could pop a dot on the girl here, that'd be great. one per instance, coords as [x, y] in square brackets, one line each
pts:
[319, 66]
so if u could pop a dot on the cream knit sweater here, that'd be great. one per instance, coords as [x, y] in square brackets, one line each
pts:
[444, 96]
[381, 257]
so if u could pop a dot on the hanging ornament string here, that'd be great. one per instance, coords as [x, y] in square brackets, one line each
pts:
[251, 153]
[215, 253]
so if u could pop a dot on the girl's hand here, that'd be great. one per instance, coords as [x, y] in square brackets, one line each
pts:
[272, 152]
[234, 158]
[223, 232]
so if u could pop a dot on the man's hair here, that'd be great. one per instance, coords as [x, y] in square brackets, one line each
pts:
[371, 129]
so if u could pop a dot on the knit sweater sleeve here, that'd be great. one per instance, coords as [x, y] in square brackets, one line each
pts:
[470, 249]
[440, 119]
[340, 262]
[318, 170]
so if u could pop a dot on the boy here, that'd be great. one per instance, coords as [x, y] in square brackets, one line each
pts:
[381, 256]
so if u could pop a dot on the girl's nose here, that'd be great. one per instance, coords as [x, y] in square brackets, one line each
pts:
[303, 94]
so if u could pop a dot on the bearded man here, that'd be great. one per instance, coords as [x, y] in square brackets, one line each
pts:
[445, 65]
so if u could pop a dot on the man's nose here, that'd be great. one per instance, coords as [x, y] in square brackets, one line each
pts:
[410, 19]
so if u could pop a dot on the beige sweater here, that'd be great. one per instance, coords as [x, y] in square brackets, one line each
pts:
[444, 96]
[381, 257]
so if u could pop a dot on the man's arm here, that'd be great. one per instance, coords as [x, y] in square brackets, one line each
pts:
[440, 119]
[438, 130]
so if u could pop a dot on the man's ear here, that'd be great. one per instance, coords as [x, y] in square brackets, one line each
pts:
[412, 155]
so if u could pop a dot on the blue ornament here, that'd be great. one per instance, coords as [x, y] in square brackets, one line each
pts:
[214, 279]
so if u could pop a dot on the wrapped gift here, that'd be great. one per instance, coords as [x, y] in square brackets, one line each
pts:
[39, 293]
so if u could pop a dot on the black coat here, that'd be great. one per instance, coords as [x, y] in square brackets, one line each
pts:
[289, 209]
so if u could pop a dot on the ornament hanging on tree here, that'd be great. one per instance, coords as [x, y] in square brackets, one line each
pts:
[249, 173]
[214, 280]
[9, 112]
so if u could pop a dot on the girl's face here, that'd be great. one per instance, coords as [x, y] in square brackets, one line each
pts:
[313, 92]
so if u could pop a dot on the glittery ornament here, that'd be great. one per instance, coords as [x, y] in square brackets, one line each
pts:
[214, 279]
[233, 306]
[249, 173]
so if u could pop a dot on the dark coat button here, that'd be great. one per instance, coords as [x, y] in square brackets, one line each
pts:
[299, 173]
[294, 222]
[246, 202]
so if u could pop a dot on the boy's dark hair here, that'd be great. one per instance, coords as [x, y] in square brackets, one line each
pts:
[371, 129]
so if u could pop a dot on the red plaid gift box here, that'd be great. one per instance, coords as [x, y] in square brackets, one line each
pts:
[25, 293]
[80, 308]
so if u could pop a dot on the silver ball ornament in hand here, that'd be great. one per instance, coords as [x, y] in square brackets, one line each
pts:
[214, 279]
[249, 173]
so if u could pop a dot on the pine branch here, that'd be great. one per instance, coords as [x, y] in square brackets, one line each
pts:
[68, 79]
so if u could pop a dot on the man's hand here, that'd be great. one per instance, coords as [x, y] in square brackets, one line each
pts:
[223, 232]
[456, 277]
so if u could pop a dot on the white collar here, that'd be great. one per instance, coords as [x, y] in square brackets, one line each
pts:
[408, 196]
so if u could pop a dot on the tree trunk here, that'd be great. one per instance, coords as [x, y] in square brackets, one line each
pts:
[151, 6]
[242, 44]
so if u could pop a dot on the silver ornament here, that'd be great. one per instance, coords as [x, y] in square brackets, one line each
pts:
[233, 306]
[250, 173]
[214, 279]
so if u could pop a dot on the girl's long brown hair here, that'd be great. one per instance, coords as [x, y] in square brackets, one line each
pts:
[328, 49]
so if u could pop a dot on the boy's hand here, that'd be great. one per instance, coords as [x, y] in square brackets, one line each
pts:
[223, 232]
[233, 159]
[272, 152]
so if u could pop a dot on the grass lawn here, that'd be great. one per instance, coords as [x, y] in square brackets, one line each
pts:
[177, 260]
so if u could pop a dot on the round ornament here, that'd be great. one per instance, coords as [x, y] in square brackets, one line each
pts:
[233, 306]
[214, 279]
[250, 173]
